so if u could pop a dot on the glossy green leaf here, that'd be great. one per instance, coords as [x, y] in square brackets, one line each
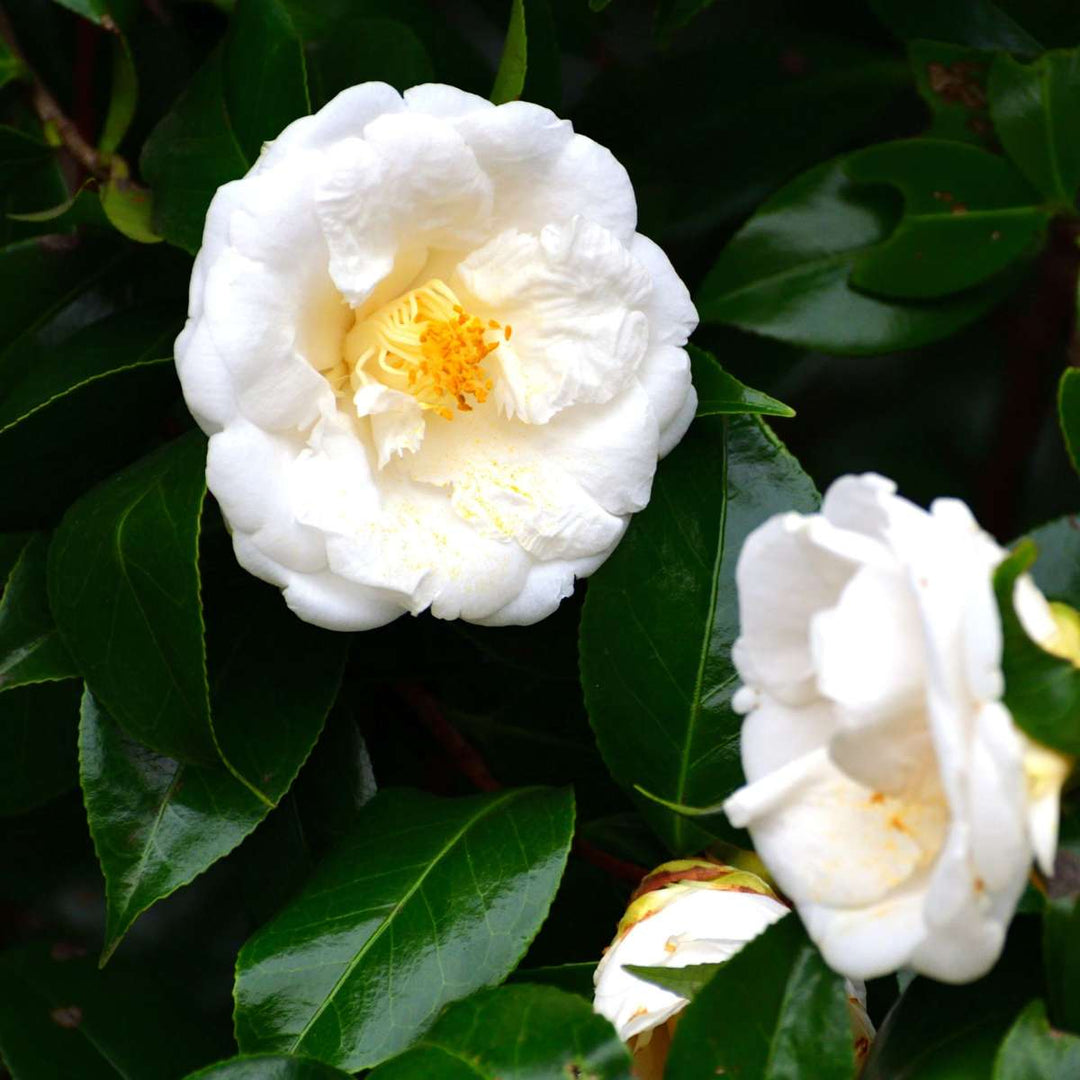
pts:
[981, 24]
[766, 1013]
[1061, 960]
[573, 978]
[38, 728]
[190, 154]
[62, 1018]
[951, 79]
[81, 409]
[510, 78]
[1068, 402]
[269, 1067]
[265, 78]
[1057, 569]
[1042, 691]
[124, 589]
[941, 1032]
[1032, 1051]
[721, 394]
[514, 1033]
[156, 822]
[786, 274]
[427, 900]
[686, 981]
[30, 647]
[967, 215]
[661, 616]
[1034, 107]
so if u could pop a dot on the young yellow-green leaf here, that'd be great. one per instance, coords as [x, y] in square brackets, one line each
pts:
[721, 394]
[1031, 1051]
[514, 1033]
[1034, 107]
[1068, 402]
[968, 214]
[128, 206]
[510, 78]
[269, 1067]
[82, 409]
[62, 1018]
[123, 97]
[424, 902]
[1042, 691]
[156, 822]
[766, 1013]
[786, 273]
[661, 616]
[124, 589]
[951, 79]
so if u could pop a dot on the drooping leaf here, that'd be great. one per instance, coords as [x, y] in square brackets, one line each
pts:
[786, 274]
[269, 1067]
[428, 899]
[1034, 107]
[981, 24]
[61, 1017]
[685, 981]
[662, 614]
[967, 215]
[1032, 1051]
[767, 1012]
[124, 589]
[510, 78]
[81, 409]
[941, 1032]
[1069, 413]
[1042, 691]
[951, 79]
[514, 1033]
[265, 78]
[721, 394]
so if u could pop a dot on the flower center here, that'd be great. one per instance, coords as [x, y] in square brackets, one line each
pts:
[426, 344]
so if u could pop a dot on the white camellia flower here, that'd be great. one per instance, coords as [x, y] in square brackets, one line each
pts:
[690, 911]
[889, 791]
[436, 362]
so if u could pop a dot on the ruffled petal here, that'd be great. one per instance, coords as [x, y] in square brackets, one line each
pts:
[672, 315]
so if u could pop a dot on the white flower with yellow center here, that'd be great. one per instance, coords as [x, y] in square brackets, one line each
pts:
[889, 791]
[436, 362]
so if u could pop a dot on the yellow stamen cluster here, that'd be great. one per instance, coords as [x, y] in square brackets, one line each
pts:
[428, 345]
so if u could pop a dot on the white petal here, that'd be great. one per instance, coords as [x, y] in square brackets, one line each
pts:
[671, 433]
[547, 585]
[329, 601]
[774, 734]
[204, 378]
[665, 376]
[672, 315]
[397, 421]
[438, 99]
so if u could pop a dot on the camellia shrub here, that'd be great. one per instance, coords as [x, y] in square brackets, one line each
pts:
[537, 540]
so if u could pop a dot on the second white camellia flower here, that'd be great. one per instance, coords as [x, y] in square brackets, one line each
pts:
[890, 793]
[436, 362]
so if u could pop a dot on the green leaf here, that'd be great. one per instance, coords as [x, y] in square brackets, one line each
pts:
[510, 78]
[190, 154]
[108, 14]
[38, 726]
[967, 215]
[427, 900]
[1068, 402]
[129, 207]
[941, 1032]
[771, 1009]
[685, 981]
[514, 1033]
[674, 15]
[30, 647]
[1061, 960]
[1031, 1051]
[122, 99]
[1042, 691]
[1057, 570]
[978, 23]
[721, 394]
[124, 588]
[269, 1067]
[661, 616]
[265, 79]
[11, 67]
[81, 409]
[785, 274]
[60, 1017]
[1034, 107]
[951, 79]
[573, 978]
[82, 208]
[156, 822]
[29, 176]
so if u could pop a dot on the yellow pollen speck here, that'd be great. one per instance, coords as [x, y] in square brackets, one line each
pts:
[426, 344]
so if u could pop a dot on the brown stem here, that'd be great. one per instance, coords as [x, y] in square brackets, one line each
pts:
[467, 760]
[50, 113]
